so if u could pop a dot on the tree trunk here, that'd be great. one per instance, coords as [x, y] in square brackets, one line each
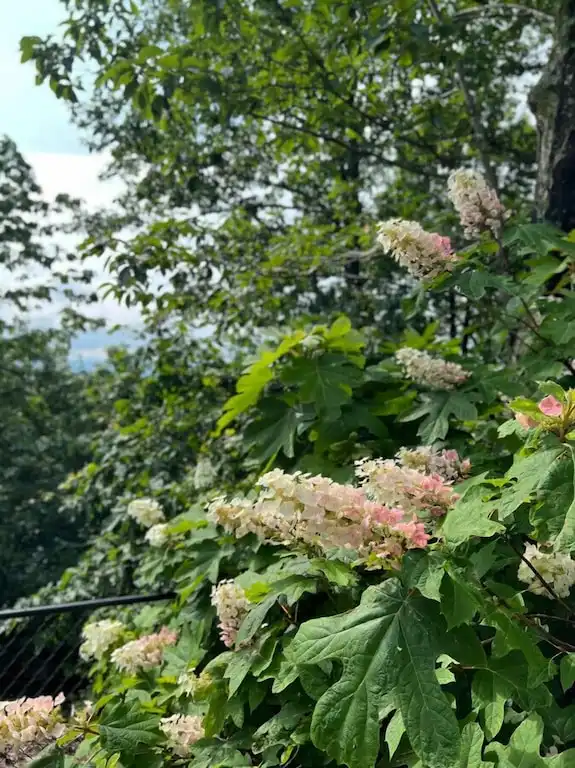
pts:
[552, 101]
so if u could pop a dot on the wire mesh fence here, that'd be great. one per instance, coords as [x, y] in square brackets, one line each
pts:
[39, 646]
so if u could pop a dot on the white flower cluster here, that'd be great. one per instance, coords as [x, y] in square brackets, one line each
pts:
[147, 512]
[446, 463]
[145, 652]
[476, 202]
[82, 713]
[428, 371]
[182, 732]
[194, 685]
[30, 721]
[423, 254]
[558, 570]
[204, 474]
[231, 605]
[158, 535]
[98, 636]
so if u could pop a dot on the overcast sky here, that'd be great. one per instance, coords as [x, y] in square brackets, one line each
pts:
[38, 122]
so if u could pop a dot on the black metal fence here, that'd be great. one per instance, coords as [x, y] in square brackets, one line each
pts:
[39, 646]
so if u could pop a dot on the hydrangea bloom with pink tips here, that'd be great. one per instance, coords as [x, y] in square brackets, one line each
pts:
[182, 732]
[34, 721]
[392, 510]
[445, 463]
[319, 513]
[387, 482]
[423, 254]
[552, 409]
[231, 605]
[550, 406]
[145, 652]
[476, 202]
[429, 371]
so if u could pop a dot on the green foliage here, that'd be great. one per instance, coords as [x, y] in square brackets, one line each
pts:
[46, 415]
[47, 424]
[274, 137]
[388, 647]
[450, 651]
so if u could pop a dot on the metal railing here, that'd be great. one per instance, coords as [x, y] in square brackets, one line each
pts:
[39, 646]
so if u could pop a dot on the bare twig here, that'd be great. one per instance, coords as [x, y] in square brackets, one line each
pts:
[540, 578]
[547, 637]
[552, 618]
[534, 327]
[499, 8]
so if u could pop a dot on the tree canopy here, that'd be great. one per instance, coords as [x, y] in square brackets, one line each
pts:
[264, 140]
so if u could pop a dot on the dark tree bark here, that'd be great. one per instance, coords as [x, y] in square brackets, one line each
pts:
[552, 101]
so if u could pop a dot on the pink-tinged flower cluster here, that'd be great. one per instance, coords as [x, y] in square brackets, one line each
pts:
[423, 254]
[145, 652]
[550, 406]
[476, 202]
[445, 463]
[182, 732]
[552, 409]
[300, 509]
[386, 481]
[428, 371]
[525, 421]
[28, 722]
[231, 606]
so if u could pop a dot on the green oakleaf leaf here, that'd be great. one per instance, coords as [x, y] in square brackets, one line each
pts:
[125, 729]
[326, 382]
[251, 385]
[335, 572]
[511, 635]
[524, 748]
[255, 618]
[471, 516]
[489, 693]
[459, 599]
[527, 472]
[423, 571]
[387, 646]
[51, 757]
[394, 732]
[567, 671]
[552, 515]
[538, 238]
[438, 408]
[471, 744]
[292, 588]
[275, 431]
[216, 754]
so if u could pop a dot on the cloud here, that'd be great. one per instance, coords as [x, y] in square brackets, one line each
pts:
[79, 176]
[31, 114]
[75, 175]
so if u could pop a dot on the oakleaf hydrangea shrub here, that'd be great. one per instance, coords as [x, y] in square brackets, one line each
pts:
[412, 609]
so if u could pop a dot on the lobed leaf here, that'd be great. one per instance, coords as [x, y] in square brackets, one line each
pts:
[387, 646]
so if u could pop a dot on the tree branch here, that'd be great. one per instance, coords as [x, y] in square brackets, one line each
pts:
[471, 108]
[540, 578]
[499, 8]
